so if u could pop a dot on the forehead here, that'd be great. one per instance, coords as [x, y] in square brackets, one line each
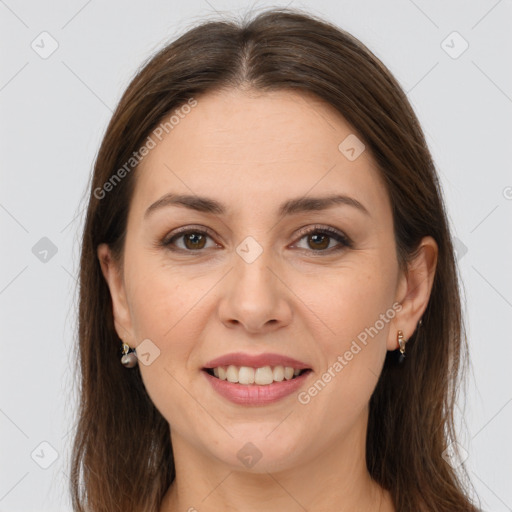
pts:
[258, 148]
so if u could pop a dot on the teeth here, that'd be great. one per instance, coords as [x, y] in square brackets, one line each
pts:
[278, 373]
[232, 374]
[246, 375]
[261, 376]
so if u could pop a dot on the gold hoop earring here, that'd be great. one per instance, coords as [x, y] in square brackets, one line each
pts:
[401, 342]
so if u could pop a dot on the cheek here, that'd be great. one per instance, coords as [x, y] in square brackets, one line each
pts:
[167, 306]
[161, 298]
[167, 309]
[357, 309]
[348, 302]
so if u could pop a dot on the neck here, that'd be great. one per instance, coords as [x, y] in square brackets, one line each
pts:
[336, 479]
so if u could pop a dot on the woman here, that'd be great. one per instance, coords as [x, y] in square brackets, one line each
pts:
[269, 307]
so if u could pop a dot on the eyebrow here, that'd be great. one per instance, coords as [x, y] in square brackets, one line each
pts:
[290, 207]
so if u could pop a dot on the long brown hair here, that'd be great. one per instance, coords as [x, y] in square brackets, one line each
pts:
[122, 455]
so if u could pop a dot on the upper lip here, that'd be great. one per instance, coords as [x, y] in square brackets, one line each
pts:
[255, 361]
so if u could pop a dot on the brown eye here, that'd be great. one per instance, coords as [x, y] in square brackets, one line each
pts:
[319, 238]
[194, 240]
[319, 241]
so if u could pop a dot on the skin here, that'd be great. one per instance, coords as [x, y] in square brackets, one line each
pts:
[252, 151]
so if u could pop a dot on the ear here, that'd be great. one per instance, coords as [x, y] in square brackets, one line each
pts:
[413, 291]
[120, 310]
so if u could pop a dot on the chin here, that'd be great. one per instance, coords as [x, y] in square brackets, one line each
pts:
[256, 451]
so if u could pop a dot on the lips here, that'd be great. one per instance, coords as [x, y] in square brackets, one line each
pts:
[256, 361]
[262, 379]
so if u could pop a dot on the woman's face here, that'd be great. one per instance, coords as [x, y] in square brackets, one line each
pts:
[261, 277]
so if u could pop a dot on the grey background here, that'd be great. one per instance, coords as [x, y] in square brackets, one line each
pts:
[54, 112]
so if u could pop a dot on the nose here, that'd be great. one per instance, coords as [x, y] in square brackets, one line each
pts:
[255, 296]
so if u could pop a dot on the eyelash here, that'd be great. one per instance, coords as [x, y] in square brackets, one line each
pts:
[343, 240]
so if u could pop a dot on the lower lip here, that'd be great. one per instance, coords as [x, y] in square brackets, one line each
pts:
[253, 394]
